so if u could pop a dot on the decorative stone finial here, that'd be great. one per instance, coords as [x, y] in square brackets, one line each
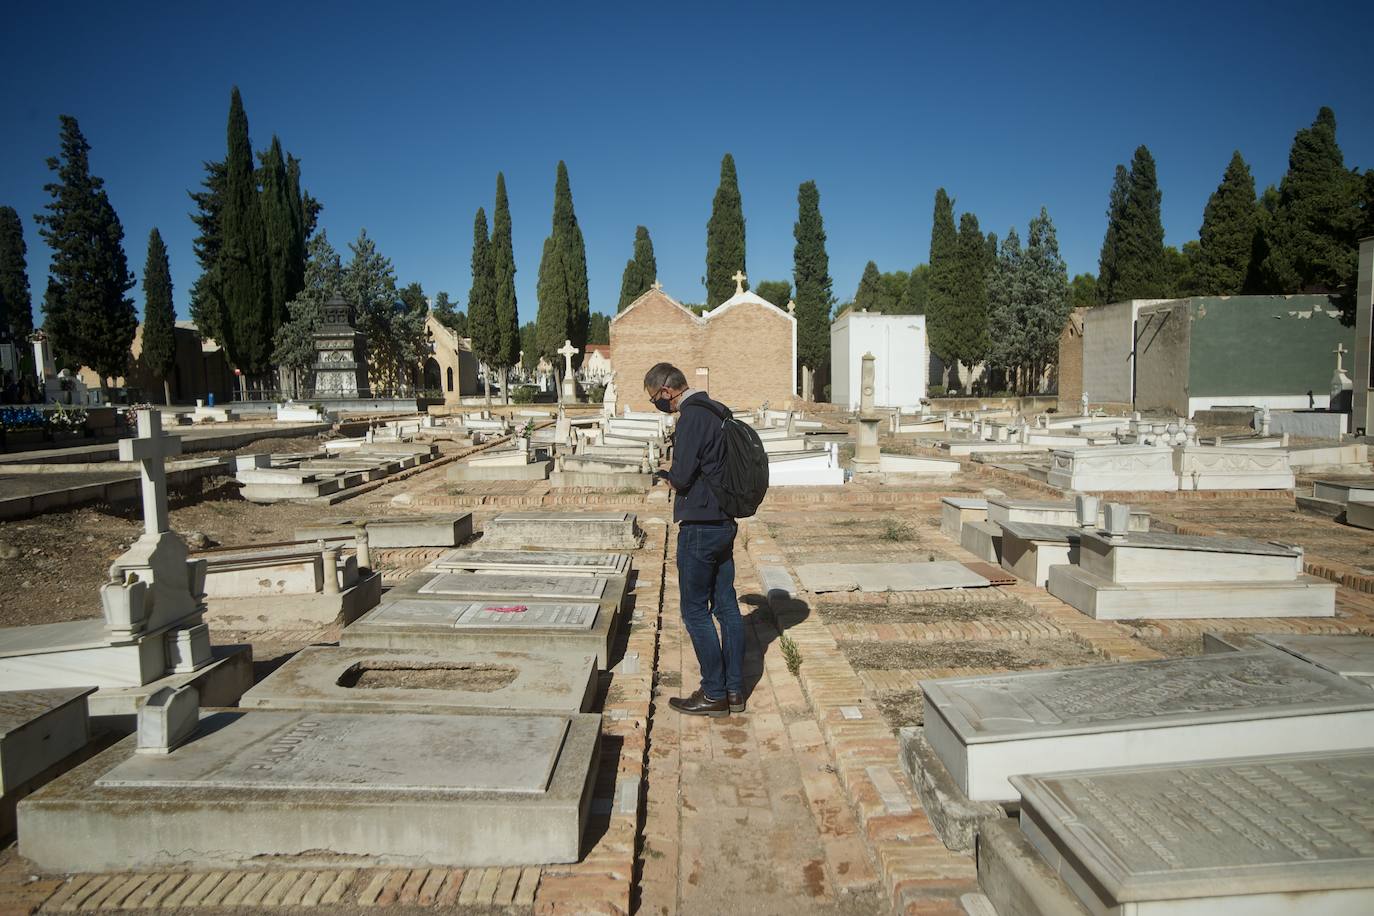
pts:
[739, 279]
[168, 719]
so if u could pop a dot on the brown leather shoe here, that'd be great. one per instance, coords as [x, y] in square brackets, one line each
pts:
[699, 705]
[736, 700]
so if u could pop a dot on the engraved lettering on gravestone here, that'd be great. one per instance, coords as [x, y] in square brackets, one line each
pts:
[533, 586]
[534, 616]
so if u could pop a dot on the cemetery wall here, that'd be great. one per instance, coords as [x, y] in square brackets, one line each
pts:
[1070, 365]
[1193, 354]
[1363, 372]
[1108, 348]
[198, 370]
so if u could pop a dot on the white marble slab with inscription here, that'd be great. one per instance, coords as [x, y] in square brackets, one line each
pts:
[1349, 655]
[527, 585]
[507, 562]
[561, 530]
[1259, 836]
[513, 614]
[989, 728]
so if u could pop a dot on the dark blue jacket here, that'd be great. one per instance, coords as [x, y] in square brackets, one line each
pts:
[698, 453]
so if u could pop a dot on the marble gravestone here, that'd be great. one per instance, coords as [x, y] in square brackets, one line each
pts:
[956, 511]
[987, 729]
[340, 679]
[1262, 836]
[1349, 656]
[402, 789]
[395, 531]
[520, 562]
[39, 730]
[1129, 575]
[527, 585]
[605, 530]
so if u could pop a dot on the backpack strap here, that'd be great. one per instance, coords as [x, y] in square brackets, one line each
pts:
[720, 411]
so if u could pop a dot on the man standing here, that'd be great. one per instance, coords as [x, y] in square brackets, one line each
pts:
[705, 544]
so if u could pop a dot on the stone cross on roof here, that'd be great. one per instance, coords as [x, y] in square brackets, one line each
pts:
[657, 285]
[568, 351]
[149, 450]
[739, 279]
[1340, 352]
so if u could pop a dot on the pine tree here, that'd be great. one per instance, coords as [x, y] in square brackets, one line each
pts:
[1132, 263]
[1084, 291]
[1312, 238]
[967, 319]
[159, 352]
[97, 320]
[1109, 261]
[778, 292]
[447, 314]
[294, 342]
[16, 308]
[1227, 237]
[941, 286]
[640, 271]
[811, 279]
[482, 320]
[243, 271]
[872, 295]
[914, 296]
[724, 236]
[396, 338]
[503, 275]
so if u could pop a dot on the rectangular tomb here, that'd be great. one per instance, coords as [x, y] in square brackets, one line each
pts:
[1029, 550]
[402, 789]
[1262, 835]
[956, 511]
[39, 729]
[526, 585]
[341, 679]
[523, 561]
[397, 531]
[987, 729]
[1053, 512]
[562, 531]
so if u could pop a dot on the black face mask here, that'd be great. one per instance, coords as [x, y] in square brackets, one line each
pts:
[664, 404]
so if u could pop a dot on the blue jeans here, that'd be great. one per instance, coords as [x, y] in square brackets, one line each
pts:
[706, 586]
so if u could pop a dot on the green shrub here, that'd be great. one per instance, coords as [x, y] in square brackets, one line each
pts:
[523, 394]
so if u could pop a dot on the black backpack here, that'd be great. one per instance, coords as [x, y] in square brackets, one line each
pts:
[744, 482]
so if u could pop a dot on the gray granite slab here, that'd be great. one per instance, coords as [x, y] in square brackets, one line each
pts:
[304, 752]
[1236, 686]
[887, 577]
[527, 585]
[412, 612]
[1164, 541]
[1348, 656]
[1231, 833]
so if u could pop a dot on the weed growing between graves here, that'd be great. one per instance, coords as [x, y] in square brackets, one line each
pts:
[897, 530]
[790, 654]
[456, 491]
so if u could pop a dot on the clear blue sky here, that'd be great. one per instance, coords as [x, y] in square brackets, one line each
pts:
[403, 113]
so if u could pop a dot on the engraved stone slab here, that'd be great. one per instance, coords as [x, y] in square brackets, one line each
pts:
[522, 561]
[1348, 656]
[317, 752]
[986, 729]
[561, 530]
[525, 585]
[411, 612]
[887, 577]
[1278, 834]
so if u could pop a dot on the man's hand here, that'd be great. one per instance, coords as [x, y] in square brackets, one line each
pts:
[663, 474]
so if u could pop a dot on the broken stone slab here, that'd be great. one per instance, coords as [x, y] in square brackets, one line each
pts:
[404, 789]
[1272, 834]
[985, 729]
[956, 819]
[349, 679]
[397, 531]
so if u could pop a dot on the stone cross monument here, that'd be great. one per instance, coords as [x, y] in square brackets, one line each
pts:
[568, 351]
[150, 450]
[867, 458]
[739, 279]
[1340, 381]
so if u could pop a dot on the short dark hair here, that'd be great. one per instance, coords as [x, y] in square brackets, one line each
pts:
[664, 375]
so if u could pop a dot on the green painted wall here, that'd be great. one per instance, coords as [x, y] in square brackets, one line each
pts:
[1264, 345]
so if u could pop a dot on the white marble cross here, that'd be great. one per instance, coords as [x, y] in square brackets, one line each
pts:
[568, 351]
[657, 285]
[739, 279]
[149, 450]
[1340, 352]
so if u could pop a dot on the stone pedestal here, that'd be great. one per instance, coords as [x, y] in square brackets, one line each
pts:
[340, 369]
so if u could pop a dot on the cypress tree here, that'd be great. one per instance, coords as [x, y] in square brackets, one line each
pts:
[967, 319]
[159, 316]
[207, 298]
[482, 320]
[281, 231]
[57, 325]
[940, 289]
[1227, 237]
[1006, 303]
[913, 298]
[503, 276]
[1138, 267]
[1045, 287]
[640, 271]
[811, 280]
[551, 321]
[1109, 261]
[564, 300]
[97, 320]
[724, 236]
[1312, 238]
[1084, 291]
[243, 274]
[871, 295]
[16, 308]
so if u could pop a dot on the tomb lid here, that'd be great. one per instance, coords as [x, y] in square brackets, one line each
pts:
[960, 502]
[319, 752]
[533, 560]
[1249, 826]
[508, 613]
[21, 707]
[1227, 687]
[1058, 505]
[1348, 655]
[43, 638]
[564, 517]
[1030, 531]
[1161, 540]
[533, 584]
